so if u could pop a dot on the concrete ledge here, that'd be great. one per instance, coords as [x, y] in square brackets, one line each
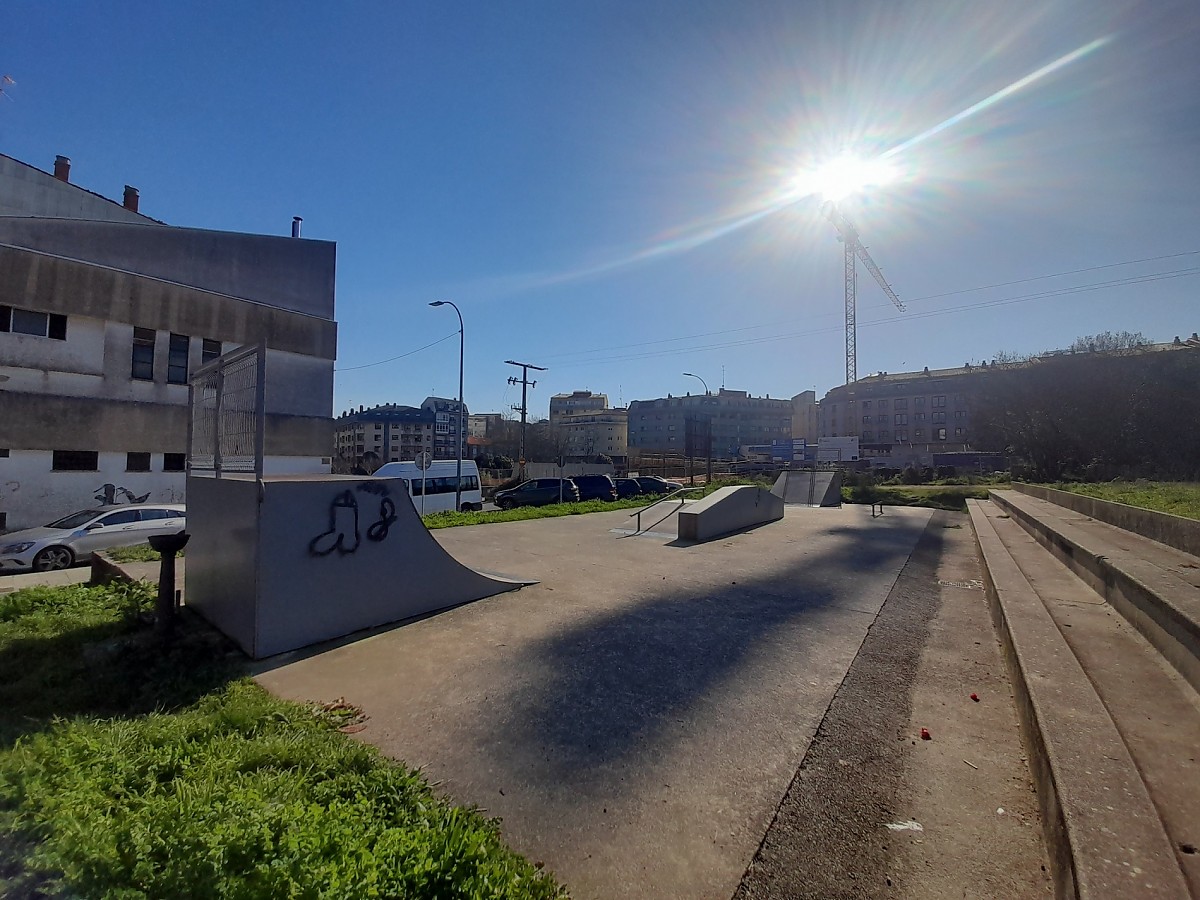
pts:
[1163, 607]
[1103, 835]
[728, 509]
[1174, 531]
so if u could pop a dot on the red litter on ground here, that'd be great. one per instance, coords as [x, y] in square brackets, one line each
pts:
[925, 735]
[975, 697]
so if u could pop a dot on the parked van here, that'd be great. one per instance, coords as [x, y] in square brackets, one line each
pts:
[437, 484]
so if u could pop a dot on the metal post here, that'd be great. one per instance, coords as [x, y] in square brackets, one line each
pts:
[260, 416]
[458, 439]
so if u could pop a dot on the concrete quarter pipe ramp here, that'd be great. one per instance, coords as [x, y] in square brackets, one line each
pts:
[294, 560]
[810, 488]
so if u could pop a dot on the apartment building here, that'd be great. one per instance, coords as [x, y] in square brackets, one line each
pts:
[104, 315]
[576, 402]
[905, 416]
[448, 443]
[588, 434]
[391, 432]
[736, 420]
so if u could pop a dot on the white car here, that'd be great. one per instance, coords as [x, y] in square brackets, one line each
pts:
[71, 539]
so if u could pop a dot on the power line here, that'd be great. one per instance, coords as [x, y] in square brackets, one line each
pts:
[985, 304]
[401, 356]
[972, 290]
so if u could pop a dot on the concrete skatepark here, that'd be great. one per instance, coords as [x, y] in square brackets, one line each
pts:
[636, 716]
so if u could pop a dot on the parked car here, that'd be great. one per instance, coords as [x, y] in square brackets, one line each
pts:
[72, 539]
[538, 492]
[627, 487]
[595, 487]
[653, 484]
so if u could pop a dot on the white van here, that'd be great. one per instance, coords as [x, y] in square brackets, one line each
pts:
[438, 484]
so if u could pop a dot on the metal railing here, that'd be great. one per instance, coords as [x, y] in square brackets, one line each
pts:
[674, 495]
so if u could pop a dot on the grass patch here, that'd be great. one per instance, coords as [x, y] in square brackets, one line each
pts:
[1177, 498]
[930, 496]
[136, 553]
[133, 769]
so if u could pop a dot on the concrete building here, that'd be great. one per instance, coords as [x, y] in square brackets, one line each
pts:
[904, 417]
[482, 425]
[806, 418]
[576, 402]
[588, 434]
[447, 442]
[391, 432]
[106, 313]
[737, 419]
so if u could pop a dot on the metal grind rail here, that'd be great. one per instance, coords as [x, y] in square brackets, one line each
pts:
[674, 495]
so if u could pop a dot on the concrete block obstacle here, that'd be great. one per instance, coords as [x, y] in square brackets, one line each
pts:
[289, 561]
[728, 509]
[1107, 726]
[809, 487]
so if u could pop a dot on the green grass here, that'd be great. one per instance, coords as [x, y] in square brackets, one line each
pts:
[1177, 498]
[136, 553]
[930, 496]
[133, 769]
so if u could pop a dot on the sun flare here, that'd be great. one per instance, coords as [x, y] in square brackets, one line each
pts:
[845, 175]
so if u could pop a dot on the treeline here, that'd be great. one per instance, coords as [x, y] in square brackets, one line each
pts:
[1094, 414]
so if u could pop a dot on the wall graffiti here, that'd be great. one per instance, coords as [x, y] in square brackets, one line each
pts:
[343, 534]
[106, 495]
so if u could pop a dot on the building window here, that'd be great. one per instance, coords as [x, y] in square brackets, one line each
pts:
[902, 403]
[939, 417]
[143, 354]
[137, 462]
[75, 461]
[3, 453]
[919, 402]
[883, 435]
[883, 404]
[174, 462]
[866, 404]
[901, 436]
[919, 433]
[960, 414]
[38, 324]
[958, 432]
[939, 433]
[209, 351]
[881, 418]
[868, 435]
[866, 420]
[940, 400]
[900, 419]
[918, 417]
[177, 359]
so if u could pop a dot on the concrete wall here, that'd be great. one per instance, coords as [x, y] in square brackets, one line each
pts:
[1174, 531]
[26, 191]
[289, 273]
[32, 494]
[726, 510]
[550, 470]
[34, 280]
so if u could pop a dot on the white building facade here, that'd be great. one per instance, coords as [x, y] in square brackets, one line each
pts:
[104, 316]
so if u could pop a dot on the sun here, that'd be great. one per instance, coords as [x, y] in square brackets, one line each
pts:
[845, 175]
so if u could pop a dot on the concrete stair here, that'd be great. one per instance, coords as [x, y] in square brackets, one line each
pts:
[1099, 628]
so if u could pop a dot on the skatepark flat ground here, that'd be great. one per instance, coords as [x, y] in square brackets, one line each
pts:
[636, 717]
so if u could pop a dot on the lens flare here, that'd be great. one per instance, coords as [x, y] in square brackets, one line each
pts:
[843, 176]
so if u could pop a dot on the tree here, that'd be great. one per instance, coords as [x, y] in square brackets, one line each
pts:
[1110, 342]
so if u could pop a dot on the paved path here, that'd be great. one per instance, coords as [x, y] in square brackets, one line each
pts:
[636, 717]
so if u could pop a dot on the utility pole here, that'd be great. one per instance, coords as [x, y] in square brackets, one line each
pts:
[525, 384]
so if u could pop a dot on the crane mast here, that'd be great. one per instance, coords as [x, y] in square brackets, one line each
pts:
[854, 251]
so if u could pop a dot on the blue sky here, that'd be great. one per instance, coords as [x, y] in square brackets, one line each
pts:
[553, 167]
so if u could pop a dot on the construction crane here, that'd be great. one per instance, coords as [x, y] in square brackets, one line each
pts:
[848, 235]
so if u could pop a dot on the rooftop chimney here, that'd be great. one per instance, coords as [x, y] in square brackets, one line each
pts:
[296, 222]
[131, 198]
[62, 169]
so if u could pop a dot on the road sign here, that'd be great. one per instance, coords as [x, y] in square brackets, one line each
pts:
[424, 460]
[562, 461]
[521, 461]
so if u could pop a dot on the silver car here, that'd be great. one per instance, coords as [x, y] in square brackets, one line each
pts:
[72, 538]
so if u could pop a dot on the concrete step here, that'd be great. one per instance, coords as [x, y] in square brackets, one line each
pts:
[1156, 587]
[1104, 834]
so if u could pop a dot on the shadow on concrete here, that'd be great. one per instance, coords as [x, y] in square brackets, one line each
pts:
[607, 688]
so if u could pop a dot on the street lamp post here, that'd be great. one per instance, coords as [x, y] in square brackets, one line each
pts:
[458, 452]
[708, 434]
